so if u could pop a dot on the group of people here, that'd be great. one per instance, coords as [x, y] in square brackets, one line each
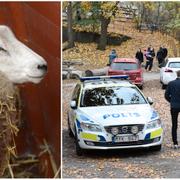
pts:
[149, 54]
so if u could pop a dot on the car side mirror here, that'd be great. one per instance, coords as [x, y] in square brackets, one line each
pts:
[73, 104]
[150, 101]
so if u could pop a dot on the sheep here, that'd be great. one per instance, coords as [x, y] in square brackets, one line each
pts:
[18, 65]
[18, 62]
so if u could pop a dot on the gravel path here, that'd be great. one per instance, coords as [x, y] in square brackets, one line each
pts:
[123, 163]
[148, 76]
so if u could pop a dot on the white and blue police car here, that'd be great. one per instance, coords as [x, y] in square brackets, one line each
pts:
[109, 112]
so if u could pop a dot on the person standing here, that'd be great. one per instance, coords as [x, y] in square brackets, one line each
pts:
[172, 95]
[140, 56]
[150, 54]
[147, 55]
[160, 56]
[112, 56]
[165, 52]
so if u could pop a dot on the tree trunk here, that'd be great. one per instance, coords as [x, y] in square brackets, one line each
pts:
[177, 36]
[158, 14]
[103, 39]
[97, 72]
[142, 17]
[70, 30]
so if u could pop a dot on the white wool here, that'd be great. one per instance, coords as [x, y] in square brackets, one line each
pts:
[18, 62]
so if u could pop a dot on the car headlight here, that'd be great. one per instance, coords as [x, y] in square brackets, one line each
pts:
[91, 127]
[154, 124]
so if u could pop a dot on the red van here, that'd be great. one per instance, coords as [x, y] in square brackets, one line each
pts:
[127, 66]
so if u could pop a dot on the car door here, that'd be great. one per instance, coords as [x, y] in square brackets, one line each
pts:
[73, 111]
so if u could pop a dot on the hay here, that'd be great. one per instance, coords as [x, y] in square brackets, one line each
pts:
[9, 121]
[23, 167]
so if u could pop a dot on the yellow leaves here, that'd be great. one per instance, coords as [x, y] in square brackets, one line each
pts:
[105, 9]
[87, 28]
[86, 5]
[119, 13]
[100, 166]
[88, 53]
[142, 170]
[64, 5]
[170, 154]
[149, 5]
[108, 8]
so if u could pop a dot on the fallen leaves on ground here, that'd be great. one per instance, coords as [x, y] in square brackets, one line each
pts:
[93, 58]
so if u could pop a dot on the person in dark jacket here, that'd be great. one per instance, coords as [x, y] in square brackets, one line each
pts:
[150, 54]
[165, 52]
[160, 56]
[172, 95]
[140, 56]
[112, 56]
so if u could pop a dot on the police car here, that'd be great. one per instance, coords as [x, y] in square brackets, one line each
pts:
[111, 113]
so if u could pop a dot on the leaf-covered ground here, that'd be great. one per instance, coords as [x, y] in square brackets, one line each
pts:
[93, 58]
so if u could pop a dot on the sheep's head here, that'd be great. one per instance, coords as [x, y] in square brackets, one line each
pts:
[18, 62]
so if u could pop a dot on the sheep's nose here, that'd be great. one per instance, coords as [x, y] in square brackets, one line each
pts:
[42, 67]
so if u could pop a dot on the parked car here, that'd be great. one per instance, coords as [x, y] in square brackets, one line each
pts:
[130, 67]
[168, 71]
[111, 113]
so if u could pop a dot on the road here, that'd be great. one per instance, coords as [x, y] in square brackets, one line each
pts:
[148, 76]
[123, 163]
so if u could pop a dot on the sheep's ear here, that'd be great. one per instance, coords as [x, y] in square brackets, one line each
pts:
[6, 33]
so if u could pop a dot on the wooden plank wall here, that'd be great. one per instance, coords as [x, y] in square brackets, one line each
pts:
[37, 24]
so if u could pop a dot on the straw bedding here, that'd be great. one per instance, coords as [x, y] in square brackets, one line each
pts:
[9, 121]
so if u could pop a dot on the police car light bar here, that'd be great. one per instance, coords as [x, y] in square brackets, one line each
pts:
[122, 77]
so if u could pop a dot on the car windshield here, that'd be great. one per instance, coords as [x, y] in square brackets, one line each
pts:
[124, 66]
[174, 64]
[107, 96]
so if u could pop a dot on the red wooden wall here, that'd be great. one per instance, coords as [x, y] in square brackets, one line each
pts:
[37, 24]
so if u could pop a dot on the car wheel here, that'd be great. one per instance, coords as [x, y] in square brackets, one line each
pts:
[69, 129]
[156, 148]
[141, 87]
[79, 150]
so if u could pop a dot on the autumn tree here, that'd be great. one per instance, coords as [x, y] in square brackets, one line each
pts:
[146, 13]
[108, 11]
[173, 25]
[104, 11]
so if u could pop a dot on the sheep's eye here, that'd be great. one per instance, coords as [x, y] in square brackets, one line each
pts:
[2, 49]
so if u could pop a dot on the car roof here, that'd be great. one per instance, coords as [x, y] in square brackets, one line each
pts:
[128, 60]
[176, 59]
